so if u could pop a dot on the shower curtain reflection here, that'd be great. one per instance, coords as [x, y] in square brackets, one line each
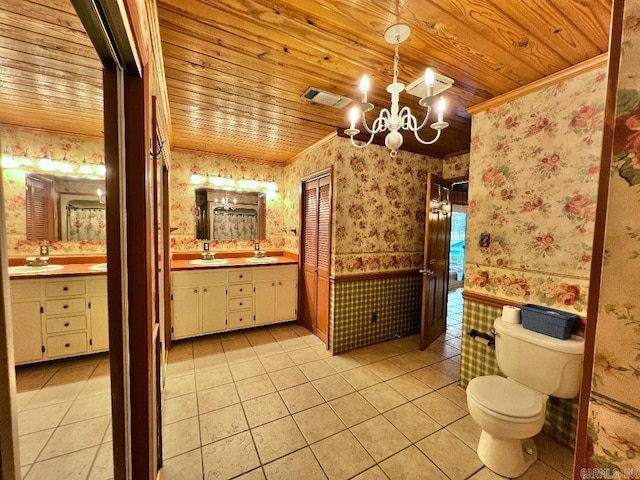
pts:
[241, 224]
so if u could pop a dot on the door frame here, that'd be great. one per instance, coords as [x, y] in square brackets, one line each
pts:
[309, 178]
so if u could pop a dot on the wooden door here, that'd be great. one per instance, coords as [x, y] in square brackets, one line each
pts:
[316, 254]
[435, 272]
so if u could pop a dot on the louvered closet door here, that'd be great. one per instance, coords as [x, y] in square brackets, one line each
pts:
[310, 254]
[323, 258]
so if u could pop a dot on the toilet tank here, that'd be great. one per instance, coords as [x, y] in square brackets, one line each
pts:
[545, 364]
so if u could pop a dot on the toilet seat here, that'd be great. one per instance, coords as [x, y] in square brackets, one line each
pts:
[506, 399]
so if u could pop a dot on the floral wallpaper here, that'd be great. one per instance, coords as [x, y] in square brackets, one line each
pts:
[534, 168]
[455, 167]
[378, 204]
[614, 410]
[182, 217]
[26, 144]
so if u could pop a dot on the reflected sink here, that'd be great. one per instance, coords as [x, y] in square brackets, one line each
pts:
[98, 267]
[27, 269]
[211, 263]
[261, 259]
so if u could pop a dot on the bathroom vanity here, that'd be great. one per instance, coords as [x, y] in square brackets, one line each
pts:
[57, 316]
[240, 295]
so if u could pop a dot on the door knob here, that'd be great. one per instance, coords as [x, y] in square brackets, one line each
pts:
[428, 272]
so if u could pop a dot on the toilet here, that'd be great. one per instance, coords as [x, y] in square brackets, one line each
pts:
[511, 410]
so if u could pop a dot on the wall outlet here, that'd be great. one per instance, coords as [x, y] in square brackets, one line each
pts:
[205, 247]
[256, 247]
[374, 317]
[485, 240]
[44, 250]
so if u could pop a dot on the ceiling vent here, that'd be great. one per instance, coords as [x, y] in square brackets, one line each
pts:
[419, 89]
[315, 95]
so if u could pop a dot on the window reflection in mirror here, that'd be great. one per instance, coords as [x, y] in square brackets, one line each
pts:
[64, 208]
[230, 215]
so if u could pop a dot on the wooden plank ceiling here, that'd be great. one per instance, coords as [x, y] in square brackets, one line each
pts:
[236, 69]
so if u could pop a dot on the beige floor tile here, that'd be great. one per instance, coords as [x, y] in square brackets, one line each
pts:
[222, 423]
[412, 422]
[96, 386]
[249, 369]
[385, 369]
[342, 362]
[317, 369]
[341, 456]
[301, 397]
[283, 332]
[380, 438]
[230, 457]
[37, 419]
[277, 439]
[303, 355]
[207, 362]
[456, 394]
[213, 377]
[88, 407]
[444, 349]
[439, 408]
[486, 474]
[179, 408]
[288, 377]
[332, 387]
[383, 397]
[240, 355]
[450, 454]
[33, 378]
[448, 367]
[74, 437]
[353, 409]
[264, 409]
[185, 466]
[255, 387]
[554, 454]
[411, 464]
[23, 398]
[433, 378]
[268, 349]
[409, 386]
[467, 430]
[32, 444]
[361, 377]
[365, 356]
[178, 369]
[176, 386]
[318, 422]
[102, 468]
[541, 470]
[180, 351]
[256, 474]
[429, 357]
[276, 362]
[73, 466]
[55, 394]
[374, 473]
[297, 465]
[180, 437]
[217, 397]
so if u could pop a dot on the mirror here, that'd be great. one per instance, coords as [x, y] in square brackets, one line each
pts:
[230, 215]
[64, 208]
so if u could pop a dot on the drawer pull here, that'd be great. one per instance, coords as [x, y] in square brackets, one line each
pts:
[67, 345]
[273, 284]
[195, 290]
[242, 290]
[240, 303]
[279, 283]
[65, 306]
[205, 290]
[66, 324]
[240, 319]
[65, 288]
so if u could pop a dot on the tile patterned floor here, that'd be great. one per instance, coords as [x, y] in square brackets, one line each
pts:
[272, 403]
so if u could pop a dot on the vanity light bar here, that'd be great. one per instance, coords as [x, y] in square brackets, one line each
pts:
[249, 185]
[48, 165]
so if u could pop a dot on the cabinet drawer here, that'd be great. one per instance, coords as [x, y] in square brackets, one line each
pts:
[65, 306]
[187, 279]
[62, 345]
[273, 273]
[24, 290]
[240, 275]
[240, 318]
[239, 303]
[66, 288]
[240, 289]
[66, 324]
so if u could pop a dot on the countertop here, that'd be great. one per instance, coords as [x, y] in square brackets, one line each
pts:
[234, 262]
[71, 269]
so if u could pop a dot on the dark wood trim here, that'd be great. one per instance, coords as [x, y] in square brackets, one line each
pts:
[166, 254]
[447, 156]
[373, 276]
[314, 176]
[597, 257]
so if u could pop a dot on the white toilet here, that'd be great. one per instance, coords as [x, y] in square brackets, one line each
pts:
[512, 410]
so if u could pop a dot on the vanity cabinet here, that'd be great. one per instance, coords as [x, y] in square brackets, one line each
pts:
[222, 299]
[58, 317]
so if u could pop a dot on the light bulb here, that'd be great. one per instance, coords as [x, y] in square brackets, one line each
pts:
[441, 106]
[429, 77]
[364, 86]
[353, 116]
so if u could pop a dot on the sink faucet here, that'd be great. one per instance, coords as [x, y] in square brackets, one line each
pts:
[37, 261]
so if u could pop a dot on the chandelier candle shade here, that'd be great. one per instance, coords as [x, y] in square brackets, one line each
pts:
[396, 119]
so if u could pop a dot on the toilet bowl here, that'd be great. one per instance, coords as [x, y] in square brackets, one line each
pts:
[509, 415]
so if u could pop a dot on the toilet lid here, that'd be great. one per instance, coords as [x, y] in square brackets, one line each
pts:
[505, 396]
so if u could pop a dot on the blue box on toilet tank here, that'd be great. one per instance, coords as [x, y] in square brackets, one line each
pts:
[547, 321]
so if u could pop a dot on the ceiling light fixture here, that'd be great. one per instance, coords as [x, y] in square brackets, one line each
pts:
[395, 119]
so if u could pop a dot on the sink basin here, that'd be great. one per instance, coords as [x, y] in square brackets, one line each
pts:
[211, 263]
[27, 269]
[98, 267]
[261, 260]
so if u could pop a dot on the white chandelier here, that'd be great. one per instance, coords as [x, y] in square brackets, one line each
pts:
[395, 119]
[224, 203]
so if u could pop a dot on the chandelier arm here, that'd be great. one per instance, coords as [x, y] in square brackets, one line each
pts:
[426, 118]
[353, 142]
[364, 122]
[415, 133]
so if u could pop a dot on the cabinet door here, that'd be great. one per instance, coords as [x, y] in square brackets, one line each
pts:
[186, 315]
[99, 323]
[213, 308]
[265, 301]
[27, 331]
[286, 299]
